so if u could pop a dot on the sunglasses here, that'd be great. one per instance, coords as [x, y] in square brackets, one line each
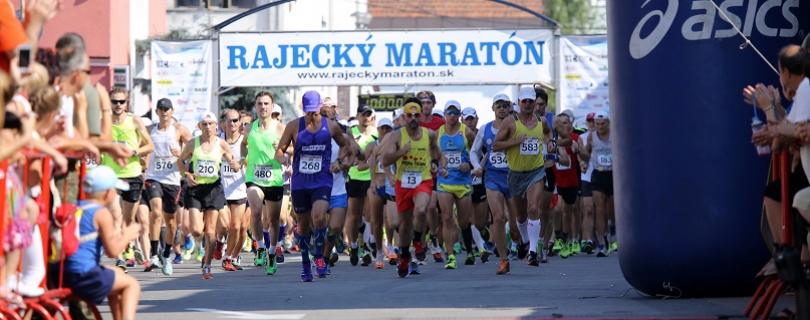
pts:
[503, 106]
[412, 115]
[367, 113]
[234, 120]
[205, 124]
[452, 112]
[527, 101]
[118, 101]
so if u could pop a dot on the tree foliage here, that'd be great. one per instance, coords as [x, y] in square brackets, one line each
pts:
[574, 15]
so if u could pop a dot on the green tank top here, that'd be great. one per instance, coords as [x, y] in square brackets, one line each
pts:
[206, 166]
[126, 133]
[262, 168]
[528, 155]
[363, 141]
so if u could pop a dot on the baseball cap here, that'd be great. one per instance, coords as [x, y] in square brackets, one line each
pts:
[413, 107]
[363, 109]
[568, 113]
[500, 97]
[385, 121]
[527, 93]
[103, 178]
[452, 103]
[311, 101]
[276, 109]
[398, 113]
[208, 115]
[164, 103]
[601, 114]
[469, 112]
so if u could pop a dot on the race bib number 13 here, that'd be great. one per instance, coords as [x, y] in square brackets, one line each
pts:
[411, 179]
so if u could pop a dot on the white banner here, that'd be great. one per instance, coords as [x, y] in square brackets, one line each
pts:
[183, 73]
[583, 86]
[385, 57]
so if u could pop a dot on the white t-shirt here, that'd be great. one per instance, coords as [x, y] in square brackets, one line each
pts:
[66, 111]
[800, 112]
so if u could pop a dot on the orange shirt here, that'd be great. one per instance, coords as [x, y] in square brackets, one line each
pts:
[12, 34]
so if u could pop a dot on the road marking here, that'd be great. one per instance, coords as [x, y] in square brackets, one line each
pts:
[248, 315]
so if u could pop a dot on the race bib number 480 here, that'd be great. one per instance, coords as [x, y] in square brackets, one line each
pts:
[411, 179]
[310, 164]
[262, 173]
[530, 147]
[206, 168]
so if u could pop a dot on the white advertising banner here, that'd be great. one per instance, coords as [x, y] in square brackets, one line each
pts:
[583, 86]
[385, 57]
[183, 73]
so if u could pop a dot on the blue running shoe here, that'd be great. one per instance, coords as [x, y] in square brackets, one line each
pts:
[306, 273]
[188, 243]
[178, 259]
[413, 268]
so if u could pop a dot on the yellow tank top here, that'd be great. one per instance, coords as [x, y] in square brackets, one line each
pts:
[206, 164]
[414, 166]
[126, 133]
[528, 155]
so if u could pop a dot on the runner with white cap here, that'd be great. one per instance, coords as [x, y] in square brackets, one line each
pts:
[495, 170]
[601, 159]
[205, 197]
[376, 193]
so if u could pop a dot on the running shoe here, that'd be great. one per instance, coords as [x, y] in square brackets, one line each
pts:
[565, 252]
[121, 264]
[178, 259]
[392, 258]
[366, 259]
[457, 248]
[438, 257]
[613, 247]
[227, 265]
[340, 247]
[533, 261]
[333, 258]
[152, 264]
[558, 246]
[470, 261]
[206, 273]
[188, 244]
[413, 268]
[485, 256]
[601, 252]
[353, 258]
[451, 262]
[419, 250]
[523, 250]
[279, 254]
[306, 272]
[575, 248]
[513, 255]
[402, 268]
[218, 250]
[187, 255]
[320, 267]
[550, 249]
[503, 267]
[271, 266]
[544, 256]
[260, 260]
[237, 263]
[198, 254]
[128, 253]
[131, 263]
[587, 247]
[379, 265]
[167, 269]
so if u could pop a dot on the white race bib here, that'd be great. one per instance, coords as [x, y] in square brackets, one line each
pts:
[310, 164]
[380, 167]
[411, 179]
[530, 147]
[90, 163]
[498, 160]
[227, 171]
[604, 160]
[206, 168]
[477, 180]
[453, 159]
[561, 166]
[163, 164]
[262, 173]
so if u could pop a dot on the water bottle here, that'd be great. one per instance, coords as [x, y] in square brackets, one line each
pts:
[756, 126]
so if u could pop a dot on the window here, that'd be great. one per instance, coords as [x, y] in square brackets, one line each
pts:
[216, 3]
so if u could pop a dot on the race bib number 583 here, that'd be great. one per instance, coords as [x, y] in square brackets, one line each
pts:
[530, 147]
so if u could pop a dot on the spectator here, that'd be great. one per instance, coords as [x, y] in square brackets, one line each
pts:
[83, 272]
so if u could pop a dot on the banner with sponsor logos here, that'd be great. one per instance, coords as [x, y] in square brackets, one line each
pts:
[583, 86]
[182, 72]
[385, 57]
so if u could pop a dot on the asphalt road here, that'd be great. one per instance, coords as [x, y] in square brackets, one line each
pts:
[581, 286]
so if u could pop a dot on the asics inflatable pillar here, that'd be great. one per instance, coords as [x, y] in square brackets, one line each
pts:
[688, 182]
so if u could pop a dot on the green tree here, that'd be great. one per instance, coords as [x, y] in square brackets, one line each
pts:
[574, 15]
